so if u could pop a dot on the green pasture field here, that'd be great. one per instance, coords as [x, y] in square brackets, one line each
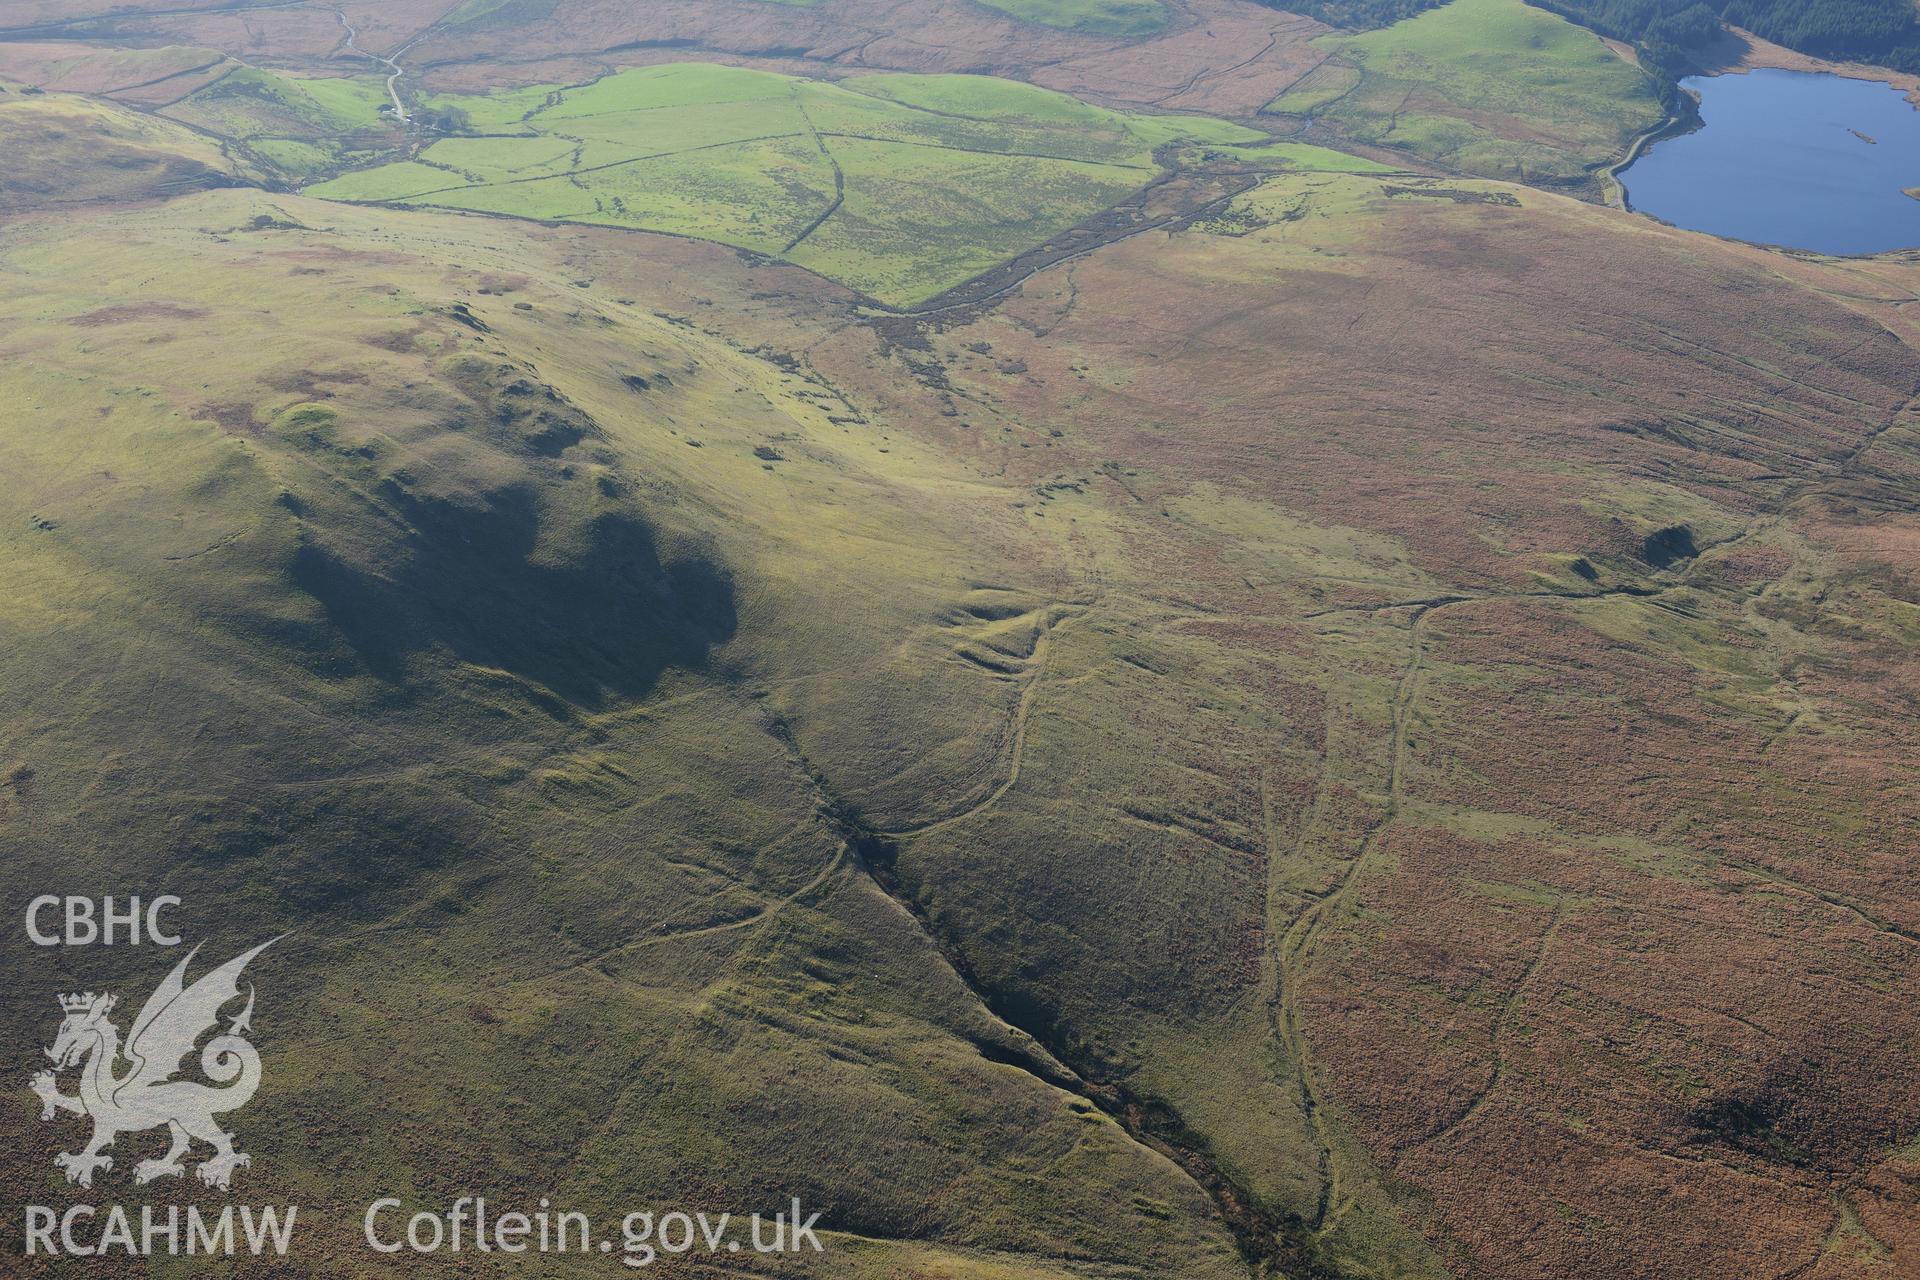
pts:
[300, 126]
[1492, 87]
[901, 186]
[251, 103]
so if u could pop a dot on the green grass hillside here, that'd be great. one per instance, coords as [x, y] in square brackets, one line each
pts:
[63, 149]
[1082, 798]
[1370, 734]
[901, 186]
[298, 126]
[1493, 87]
[464, 615]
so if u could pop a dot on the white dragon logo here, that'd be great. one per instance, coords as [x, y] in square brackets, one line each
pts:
[146, 1095]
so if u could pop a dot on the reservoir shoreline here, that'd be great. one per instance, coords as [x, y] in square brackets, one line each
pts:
[1807, 160]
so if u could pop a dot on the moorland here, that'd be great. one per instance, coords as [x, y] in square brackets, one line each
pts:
[1019, 621]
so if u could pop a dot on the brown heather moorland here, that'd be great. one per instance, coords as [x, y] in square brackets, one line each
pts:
[1221, 57]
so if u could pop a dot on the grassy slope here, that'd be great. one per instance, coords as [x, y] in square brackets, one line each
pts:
[334, 613]
[1129, 708]
[300, 126]
[901, 186]
[447, 642]
[1493, 87]
[65, 149]
[251, 103]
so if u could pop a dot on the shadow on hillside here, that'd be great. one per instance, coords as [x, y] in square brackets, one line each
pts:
[600, 621]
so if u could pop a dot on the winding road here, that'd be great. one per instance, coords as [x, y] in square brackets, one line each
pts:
[393, 80]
